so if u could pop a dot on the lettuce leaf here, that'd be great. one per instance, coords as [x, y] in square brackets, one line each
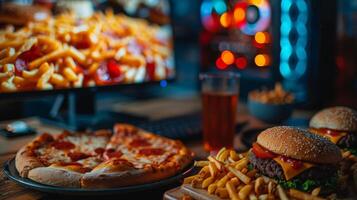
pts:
[308, 185]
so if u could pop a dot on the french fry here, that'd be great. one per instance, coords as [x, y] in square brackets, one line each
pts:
[224, 155]
[221, 192]
[244, 192]
[48, 57]
[19, 81]
[271, 187]
[93, 68]
[204, 172]
[70, 63]
[282, 194]
[45, 77]
[241, 164]
[189, 179]
[59, 80]
[208, 181]
[197, 182]
[201, 163]
[31, 75]
[77, 55]
[79, 82]
[212, 188]
[212, 169]
[302, 195]
[235, 181]
[233, 155]
[232, 192]
[259, 186]
[70, 74]
[8, 86]
[220, 152]
[245, 179]
[253, 197]
[218, 164]
[222, 182]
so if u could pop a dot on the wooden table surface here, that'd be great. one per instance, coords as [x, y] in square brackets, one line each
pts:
[172, 107]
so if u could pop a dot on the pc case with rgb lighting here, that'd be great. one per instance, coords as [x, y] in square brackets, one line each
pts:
[270, 41]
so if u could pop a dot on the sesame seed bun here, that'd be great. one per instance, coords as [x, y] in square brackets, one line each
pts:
[337, 118]
[299, 144]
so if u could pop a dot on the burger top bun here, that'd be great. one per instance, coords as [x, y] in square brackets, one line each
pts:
[299, 144]
[336, 118]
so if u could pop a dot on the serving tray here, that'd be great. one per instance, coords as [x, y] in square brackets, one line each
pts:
[11, 172]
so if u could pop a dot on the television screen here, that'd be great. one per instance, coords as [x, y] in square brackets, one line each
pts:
[49, 45]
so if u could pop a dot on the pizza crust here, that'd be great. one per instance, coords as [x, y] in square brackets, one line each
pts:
[55, 176]
[100, 178]
[26, 161]
[125, 178]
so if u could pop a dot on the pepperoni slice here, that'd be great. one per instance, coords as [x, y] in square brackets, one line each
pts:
[77, 156]
[151, 151]
[99, 150]
[139, 142]
[111, 153]
[21, 62]
[63, 145]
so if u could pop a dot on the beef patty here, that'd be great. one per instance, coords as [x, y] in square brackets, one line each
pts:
[271, 168]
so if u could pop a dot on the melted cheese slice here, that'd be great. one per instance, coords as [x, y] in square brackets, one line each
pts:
[332, 138]
[289, 171]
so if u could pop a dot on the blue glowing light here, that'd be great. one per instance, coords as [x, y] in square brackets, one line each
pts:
[219, 6]
[163, 83]
[290, 48]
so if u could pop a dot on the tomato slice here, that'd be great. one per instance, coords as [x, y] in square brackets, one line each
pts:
[329, 131]
[260, 152]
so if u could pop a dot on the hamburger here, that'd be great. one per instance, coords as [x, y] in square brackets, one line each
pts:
[296, 159]
[339, 125]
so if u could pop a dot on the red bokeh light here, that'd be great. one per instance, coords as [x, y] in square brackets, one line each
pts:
[220, 64]
[241, 62]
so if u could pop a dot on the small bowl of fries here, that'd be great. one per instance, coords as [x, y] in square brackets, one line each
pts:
[271, 106]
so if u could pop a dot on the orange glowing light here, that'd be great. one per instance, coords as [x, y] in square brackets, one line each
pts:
[262, 60]
[227, 57]
[257, 2]
[239, 14]
[261, 37]
[226, 19]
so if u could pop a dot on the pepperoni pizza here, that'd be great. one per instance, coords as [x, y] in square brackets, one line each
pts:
[102, 159]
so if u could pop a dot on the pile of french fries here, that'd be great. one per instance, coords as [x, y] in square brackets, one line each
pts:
[67, 42]
[227, 176]
[275, 96]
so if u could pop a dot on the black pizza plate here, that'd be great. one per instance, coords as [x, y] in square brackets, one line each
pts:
[11, 172]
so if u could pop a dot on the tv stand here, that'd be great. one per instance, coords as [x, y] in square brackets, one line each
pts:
[80, 113]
